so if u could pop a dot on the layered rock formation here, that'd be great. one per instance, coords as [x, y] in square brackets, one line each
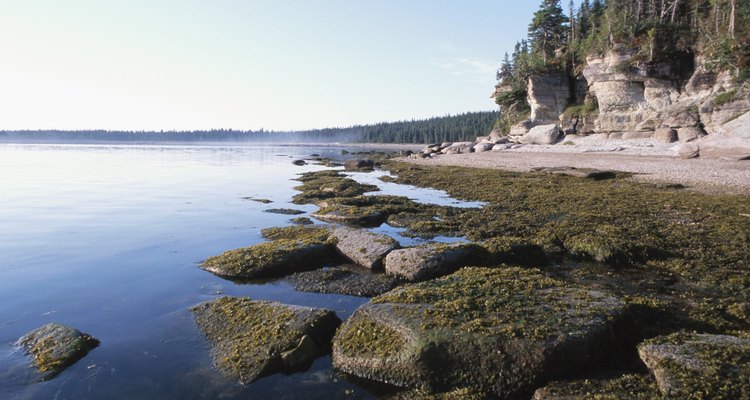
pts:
[680, 100]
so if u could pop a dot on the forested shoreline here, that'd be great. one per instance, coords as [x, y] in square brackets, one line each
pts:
[466, 126]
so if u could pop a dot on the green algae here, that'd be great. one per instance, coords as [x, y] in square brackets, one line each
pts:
[699, 241]
[368, 338]
[301, 221]
[269, 259]
[702, 368]
[249, 338]
[305, 234]
[627, 386]
[321, 185]
[512, 301]
[53, 347]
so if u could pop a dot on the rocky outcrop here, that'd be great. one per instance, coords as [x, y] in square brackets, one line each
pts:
[548, 95]
[293, 249]
[503, 331]
[252, 339]
[699, 366]
[365, 248]
[54, 347]
[430, 260]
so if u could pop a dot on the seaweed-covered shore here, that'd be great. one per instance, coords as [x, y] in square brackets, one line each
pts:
[569, 286]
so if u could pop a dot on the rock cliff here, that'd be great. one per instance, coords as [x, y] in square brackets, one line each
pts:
[625, 97]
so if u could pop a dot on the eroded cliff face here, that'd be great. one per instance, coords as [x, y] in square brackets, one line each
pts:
[679, 100]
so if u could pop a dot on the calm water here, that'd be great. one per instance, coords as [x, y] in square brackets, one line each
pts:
[107, 239]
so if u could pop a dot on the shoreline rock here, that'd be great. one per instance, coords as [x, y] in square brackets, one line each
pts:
[54, 347]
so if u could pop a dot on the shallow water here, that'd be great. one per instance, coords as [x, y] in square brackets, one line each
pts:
[106, 238]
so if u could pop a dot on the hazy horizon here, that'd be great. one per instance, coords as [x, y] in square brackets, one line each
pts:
[272, 65]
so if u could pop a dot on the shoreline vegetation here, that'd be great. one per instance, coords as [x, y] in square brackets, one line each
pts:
[568, 285]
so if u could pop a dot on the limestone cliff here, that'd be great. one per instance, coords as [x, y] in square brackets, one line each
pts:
[677, 100]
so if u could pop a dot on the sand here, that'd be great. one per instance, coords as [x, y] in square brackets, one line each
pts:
[648, 160]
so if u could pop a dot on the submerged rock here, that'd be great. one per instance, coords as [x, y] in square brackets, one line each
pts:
[350, 280]
[302, 221]
[699, 366]
[366, 248]
[431, 260]
[351, 215]
[252, 339]
[299, 162]
[54, 347]
[292, 249]
[503, 330]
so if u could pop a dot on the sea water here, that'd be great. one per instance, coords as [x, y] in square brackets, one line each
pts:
[107, 239]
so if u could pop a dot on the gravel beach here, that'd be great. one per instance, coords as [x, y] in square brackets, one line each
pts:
[648, 160]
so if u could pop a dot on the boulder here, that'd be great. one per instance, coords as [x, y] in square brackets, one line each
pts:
[431, 260]
[482, 147]
[275, 258]
[499, 147]
[689, 134]
[365, 248]
[299, 162]
[688, 150]
[699, 366]
[358, 165]
[542, 134]
[665, 135]
[504, 331]
[54, 347]
[732, 141]
[351, 215]
[252, 339]
[352, 280]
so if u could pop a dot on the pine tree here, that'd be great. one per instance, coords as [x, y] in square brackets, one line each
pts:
[505, 72]
[547, 30]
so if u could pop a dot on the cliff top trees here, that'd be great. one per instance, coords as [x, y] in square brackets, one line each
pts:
[548, 30]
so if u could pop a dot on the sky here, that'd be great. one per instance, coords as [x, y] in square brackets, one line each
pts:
[249, 64]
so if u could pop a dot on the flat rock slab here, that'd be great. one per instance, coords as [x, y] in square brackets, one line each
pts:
[270, 259]
[503, 331]
[365, 248]
[430, 260]
[252, 339]
[54, 347]
[351, 215]
[352, 280]
[586, 173]
[699, 366]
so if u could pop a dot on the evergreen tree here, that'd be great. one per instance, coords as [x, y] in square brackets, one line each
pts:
[547, 31]
[505, 73]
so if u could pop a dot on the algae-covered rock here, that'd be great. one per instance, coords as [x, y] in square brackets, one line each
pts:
[350, 215]
[513, 251]
[272, 259]
[431, 260]
[366, 248]
[624, 387]
[458, 394]
[699, 366]
[302, 221]
[350, 280]
[321, 185]
[285, 211]
[501, 330]
[309, 234]
[54, 347]
[358, 165]
[252, 339]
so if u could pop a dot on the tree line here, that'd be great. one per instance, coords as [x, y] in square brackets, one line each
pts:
[466, 126]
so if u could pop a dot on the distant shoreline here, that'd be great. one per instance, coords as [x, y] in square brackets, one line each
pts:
[406, 146]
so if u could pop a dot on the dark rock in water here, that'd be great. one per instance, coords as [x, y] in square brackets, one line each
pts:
[431, 260]
[257, 200]
[504, 331]
[628, 386]
[314, 155]
[277, 258]
[321, 185]
[285, 211]
[343, 152]
[302, 221]
[358, 165]
[350, 280]
[252, 339]
[366, 248]
[299, 162]
[54, 347]
[699, 366]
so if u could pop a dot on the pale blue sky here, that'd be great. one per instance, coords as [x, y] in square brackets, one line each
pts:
[276, 64]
